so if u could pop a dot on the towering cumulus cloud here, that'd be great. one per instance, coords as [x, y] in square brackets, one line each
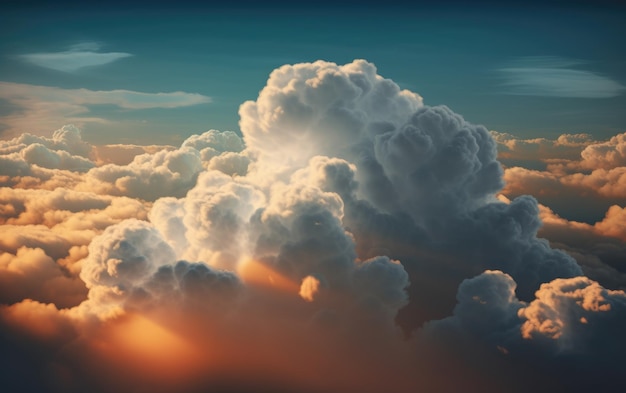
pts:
[350, 240]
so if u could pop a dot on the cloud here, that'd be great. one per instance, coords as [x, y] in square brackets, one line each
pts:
[553, 77]
[593, 180]
[321, 108]
[30, 273]
[563, 306]
[535, 153]
[569, 324]
[148, 176]
[599, 248]
[75, 58]
[309, 288]
[41, 108]
[120, 154]
[586, 224]
[352, 232]
[605, 155]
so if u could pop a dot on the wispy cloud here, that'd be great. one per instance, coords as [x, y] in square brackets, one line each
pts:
[76, 57]
[41, 107]
[551, 76]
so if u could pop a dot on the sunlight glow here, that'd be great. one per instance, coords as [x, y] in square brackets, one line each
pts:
[149, 348]
[258, 273]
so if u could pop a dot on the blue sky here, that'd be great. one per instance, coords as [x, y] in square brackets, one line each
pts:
[529, 70]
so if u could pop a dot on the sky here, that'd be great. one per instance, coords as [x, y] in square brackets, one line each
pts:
[529, 70]
[312, 198]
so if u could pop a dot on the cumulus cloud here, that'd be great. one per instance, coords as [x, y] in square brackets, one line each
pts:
[439, 164]
[593, 180]
[321, 108]
[45, 235]
[220, 151]
[570, 323]
[169, 172]
[130, 263]
[605, 155]
[535, 153]
[309, 288]
[148, 176]
[599, 248]
[350, 112]
[30, 273]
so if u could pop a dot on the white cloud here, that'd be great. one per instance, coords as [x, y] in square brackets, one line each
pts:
[77, 57]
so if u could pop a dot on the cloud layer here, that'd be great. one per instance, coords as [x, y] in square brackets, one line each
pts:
[351, 232]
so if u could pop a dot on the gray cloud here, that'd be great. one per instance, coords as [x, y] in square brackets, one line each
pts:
[570, 324]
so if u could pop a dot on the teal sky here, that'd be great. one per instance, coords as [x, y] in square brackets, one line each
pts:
[529, 70]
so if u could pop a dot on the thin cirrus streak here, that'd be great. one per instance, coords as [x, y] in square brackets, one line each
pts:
[39, 107]
[353, 240]
[554, 77]
[78, 56]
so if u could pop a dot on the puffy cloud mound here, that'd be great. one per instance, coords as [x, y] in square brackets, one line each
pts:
[614, 223]
[38, 154]
[31, 274]
[39, 157]
[194, 284]
[210, 223]
[321, 108]
[68, 139]
[593, 179]
[131, 265]
[121, 260]
[563, 309]
[430, 156]
[571, 324]
[439, 164]
[487, 303]
[170, 172]
[213, 142]
[221, 151]
[510, 231]
[606, 155]
[384, 280]
[148, 176]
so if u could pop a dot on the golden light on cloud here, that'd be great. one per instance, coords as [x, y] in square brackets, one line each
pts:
[149, 348]
[255, 272]
[309, 288]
